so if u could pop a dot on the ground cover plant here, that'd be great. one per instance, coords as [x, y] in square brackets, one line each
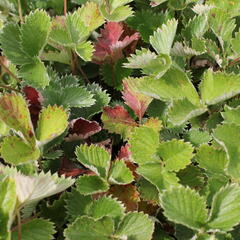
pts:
[119, 120]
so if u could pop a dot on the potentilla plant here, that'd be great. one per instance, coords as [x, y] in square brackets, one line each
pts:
[119, 120]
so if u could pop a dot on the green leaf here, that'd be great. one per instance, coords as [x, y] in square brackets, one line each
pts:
[11, 45]
[175, 203]
[120, 173]
[144, 142]
[23, 152]
[95, 158]
[137, 226]
[175, 154]
[60, 36]
[35, 74]
[88, 228]
[156, 174]
[88, 185]
[197, 137]
[91, 15]
[231, 115]
[236, 43]
[34, 32]
[15, 114]
[212, 159]
[77, 204]
[228, 136]
[162, 39]
[37, 229]
[225, 207]
[219, 86]
[106, 207]
[85, 50]
[52, 122]
[7, 205]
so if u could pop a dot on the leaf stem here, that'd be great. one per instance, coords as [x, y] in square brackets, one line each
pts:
[84, 75]
[8, 71]
[65, 7]
[9, 88]
[19, 225]
[20, 11]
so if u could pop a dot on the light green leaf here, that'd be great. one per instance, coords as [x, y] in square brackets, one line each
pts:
[219, 86]
[60, 36]
[175, 203]
[144, 142]
[95, 158]
[183, 110]
[228, 136]
[15, 114]
[35, 74]
[156, 174]
[106, 207]
[162, 39]
[120, 173]
[56, 56]
[212, 159]
[37, 229]
[53, 120]
[182, 50]
[197, 137]
[88, 185]
[7, 205]
[225, 209]
[91, 15]
[175, 154]
[137, 226]
[11, 45]
[90, 229]
[236, 43]
[34, 32]
[231, 115]
[85, 50]
[77, 204]
[23, 152]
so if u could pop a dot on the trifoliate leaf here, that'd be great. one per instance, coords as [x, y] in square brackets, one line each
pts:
[77, 204]
[225, 207]
[162, 39]
[23, 152]
[219, 86]
[37, 229]
[34, 32]
[88, 185]
[90, 229]
[231, 115]
[135, 100]
[95, 158]
[52, 122]
[15, 114]
[35, 74]
[60, 36]
[135, 225]
[175, 203]
[156, 174]
[197, 137]
[212, 159]
[106, 207]
[228, 136]
[175, 154]
[91, 15]
[144, 142]
[11, 45]
[182, 50]
[117, 120]
[85, 50]
[7, 206]
[120, 173]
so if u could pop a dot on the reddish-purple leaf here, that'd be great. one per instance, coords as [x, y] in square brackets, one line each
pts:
[136, 101]
[110, 45]
[81, 128]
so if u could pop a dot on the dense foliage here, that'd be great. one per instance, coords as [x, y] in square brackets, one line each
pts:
[119, 120]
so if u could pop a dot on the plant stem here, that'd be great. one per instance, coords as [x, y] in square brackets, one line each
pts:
[9, 88]
[84, 75]
[20, 11]
[65, 7]
[19, 226]
[8, 71]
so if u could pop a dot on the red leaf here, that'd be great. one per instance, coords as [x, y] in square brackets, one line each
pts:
[136, 101]
[110, 45]
[81, 128]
